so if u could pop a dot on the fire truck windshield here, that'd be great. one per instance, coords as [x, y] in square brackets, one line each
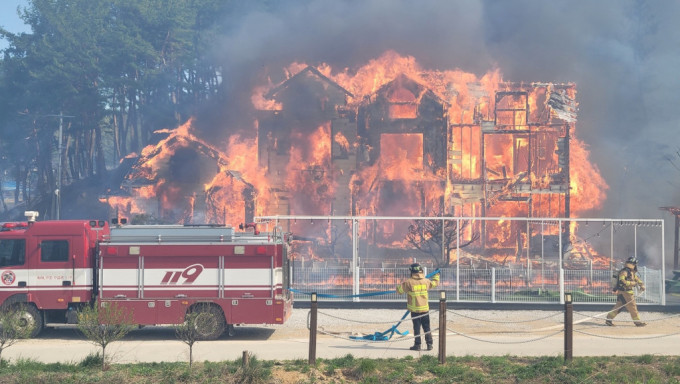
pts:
[12, 252]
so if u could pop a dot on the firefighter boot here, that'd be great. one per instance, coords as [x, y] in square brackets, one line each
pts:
[609, 323]
[415, 347]
[429, 347]
[640, 324]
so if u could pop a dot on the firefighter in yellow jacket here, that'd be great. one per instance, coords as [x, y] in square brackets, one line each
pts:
[416, 288]
[628, 279]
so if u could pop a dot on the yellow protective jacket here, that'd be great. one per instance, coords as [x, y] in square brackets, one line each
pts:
[628, 280]
[416, 288]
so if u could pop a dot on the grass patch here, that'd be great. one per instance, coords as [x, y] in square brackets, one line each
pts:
[348, 369]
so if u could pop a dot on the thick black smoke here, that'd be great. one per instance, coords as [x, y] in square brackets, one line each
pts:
[623, 55]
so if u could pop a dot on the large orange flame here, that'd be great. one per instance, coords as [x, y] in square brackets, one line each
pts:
[404, 179]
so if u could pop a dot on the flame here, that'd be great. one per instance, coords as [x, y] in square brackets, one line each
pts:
[174, 200]
[341, 140]
[240, 179]
[587, 184]
[309, 169]
[303, 177]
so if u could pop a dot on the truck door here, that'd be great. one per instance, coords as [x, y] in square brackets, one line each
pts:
[13, 269]
[51, 272]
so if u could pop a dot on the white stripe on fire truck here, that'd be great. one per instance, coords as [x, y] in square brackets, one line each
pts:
[47, 277]
[48, 288]
[186, 287]
[209, 276]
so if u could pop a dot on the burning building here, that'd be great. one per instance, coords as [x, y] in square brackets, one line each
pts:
[425, 144]
[388, 139]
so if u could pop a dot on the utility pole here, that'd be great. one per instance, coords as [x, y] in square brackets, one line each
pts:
[56, 205]
[57, 192]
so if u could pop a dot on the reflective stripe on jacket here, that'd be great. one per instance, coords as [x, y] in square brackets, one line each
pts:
[416, 288]
[628, 280]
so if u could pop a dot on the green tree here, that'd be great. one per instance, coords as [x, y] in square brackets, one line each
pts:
[121, 68]
[54, 71]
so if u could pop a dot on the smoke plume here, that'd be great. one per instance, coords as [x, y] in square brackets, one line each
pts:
[622, 55]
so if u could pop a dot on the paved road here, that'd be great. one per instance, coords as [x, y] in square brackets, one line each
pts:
[521, 333]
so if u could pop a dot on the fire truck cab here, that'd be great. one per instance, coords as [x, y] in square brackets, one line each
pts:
[157, 273]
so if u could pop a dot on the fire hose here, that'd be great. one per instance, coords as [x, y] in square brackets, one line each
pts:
[376, 336]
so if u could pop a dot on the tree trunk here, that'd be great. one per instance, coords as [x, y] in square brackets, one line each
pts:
[46, 178]
[131, 123]
[90, 153]
[116, 137]
[2, 197]
[101, 162]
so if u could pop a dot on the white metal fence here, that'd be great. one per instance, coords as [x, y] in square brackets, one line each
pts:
[482, 259]
[473, 285]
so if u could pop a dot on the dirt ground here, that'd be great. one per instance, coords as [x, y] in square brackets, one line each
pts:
[341, 332]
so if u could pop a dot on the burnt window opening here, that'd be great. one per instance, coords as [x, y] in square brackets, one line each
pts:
[403, 104]
[512, 110]
[340, 146]
[404, 149]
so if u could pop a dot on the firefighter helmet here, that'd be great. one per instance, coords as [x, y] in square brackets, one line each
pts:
[632, 260]
[415, 268]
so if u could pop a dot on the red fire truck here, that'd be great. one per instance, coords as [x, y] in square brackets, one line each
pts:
[158, 273]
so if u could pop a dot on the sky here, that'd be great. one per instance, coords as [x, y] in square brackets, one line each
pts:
[9, 18]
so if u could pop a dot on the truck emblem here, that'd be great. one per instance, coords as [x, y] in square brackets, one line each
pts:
[8, 277]
[190, 274]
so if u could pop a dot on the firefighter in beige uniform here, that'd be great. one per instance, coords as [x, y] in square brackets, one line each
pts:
[628, 279]
[416, 288]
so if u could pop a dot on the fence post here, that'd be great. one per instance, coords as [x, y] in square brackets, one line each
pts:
[355, 259]
[568, 327]
[442, 326]
[561, 277]
[245, 360]
[493, 285]
[312, 330]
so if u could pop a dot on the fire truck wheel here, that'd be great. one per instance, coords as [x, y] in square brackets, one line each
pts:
[210, 322]
[30, 316]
